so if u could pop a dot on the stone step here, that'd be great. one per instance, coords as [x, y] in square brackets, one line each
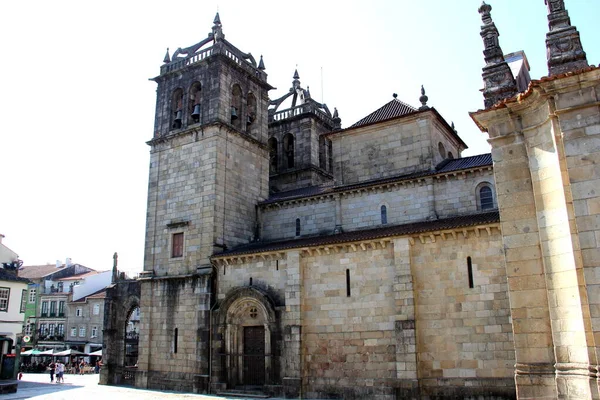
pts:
[242, 393]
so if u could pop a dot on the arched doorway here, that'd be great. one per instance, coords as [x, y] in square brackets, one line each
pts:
[131, 342]
[249, 319]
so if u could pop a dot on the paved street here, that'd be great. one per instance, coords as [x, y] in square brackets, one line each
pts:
[38, 386]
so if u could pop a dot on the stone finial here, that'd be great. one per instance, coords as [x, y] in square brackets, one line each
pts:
[395, 95]
[261, 64]
[217, 29]
[563, 45]
[337, 121]
[307, 94]
[167, 58]
[452, 126]
[423, 99]
[499, 83]
[296, 81]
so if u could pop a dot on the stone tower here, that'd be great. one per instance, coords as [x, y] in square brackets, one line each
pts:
[209, 166]
[300, 155]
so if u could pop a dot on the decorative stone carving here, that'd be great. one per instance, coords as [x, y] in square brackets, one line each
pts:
[563, 46]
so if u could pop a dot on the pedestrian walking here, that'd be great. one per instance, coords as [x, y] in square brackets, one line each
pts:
[51, 368]
[60, 371]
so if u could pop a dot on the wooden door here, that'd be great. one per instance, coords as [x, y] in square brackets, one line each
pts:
[254, 355]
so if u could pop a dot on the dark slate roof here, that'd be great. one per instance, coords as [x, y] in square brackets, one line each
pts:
[393, 109]
[302, 192]
[8, 276]
[368, 234]
[445, 166]
[458, 164]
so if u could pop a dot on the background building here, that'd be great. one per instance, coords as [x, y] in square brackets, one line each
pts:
[13, 297]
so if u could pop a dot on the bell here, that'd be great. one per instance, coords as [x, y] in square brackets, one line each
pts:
[233, 113]
[196, 113]
[177, 120]
[250, 120]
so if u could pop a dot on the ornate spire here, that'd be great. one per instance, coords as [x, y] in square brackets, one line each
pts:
[296, 81]
[167, 58]
[563, 46]
[499, 83]
[261, 64]
[423, 99]
[217, 29]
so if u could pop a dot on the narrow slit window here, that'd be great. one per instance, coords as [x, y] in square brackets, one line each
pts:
[250, 281]
[297, 226]
[470, 272]
[383, 214]
[348, 283]
[175, 338]
[277, 265]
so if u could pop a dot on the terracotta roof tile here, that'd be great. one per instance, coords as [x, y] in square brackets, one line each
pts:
[38, 271]
[393, 109]
[368, 234]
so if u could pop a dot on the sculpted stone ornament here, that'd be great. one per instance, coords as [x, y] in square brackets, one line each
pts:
[499, 83]
[563, 46]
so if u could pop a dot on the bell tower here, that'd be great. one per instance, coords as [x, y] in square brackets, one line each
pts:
[209, 158]
[209, 167]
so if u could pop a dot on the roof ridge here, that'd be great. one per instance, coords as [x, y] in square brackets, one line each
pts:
[392, 109]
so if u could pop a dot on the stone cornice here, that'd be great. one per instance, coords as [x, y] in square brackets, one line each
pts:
[360, 245]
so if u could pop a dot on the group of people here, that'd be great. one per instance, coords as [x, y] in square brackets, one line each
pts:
[58, 368]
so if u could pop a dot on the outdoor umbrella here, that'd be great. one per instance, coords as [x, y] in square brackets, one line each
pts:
[46, 353]
[32, 352]
[97, 353]
[69, 352]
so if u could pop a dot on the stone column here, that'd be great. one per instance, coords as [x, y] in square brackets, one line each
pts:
[292, 328]
[564, 300]
[534, 370]
[406, 342]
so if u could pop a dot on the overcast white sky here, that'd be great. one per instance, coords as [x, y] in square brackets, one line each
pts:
[77, 107]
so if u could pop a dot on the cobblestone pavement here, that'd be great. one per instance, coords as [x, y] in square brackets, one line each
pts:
[38, 386]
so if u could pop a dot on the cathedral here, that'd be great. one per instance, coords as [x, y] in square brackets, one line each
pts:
[288, 257]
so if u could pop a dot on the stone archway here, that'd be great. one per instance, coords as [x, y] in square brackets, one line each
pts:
[247, 320]
[121, 299]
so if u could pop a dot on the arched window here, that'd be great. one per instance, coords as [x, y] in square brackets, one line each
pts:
[251, 113]
[329, 155]
[195, 109]
[273, 155]
[288, 150]
[177, 108]
[384, 214]
[297, 226]
[450, 155]
[486, 199]
[485, 196]
[236, 106]
[442, 150]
